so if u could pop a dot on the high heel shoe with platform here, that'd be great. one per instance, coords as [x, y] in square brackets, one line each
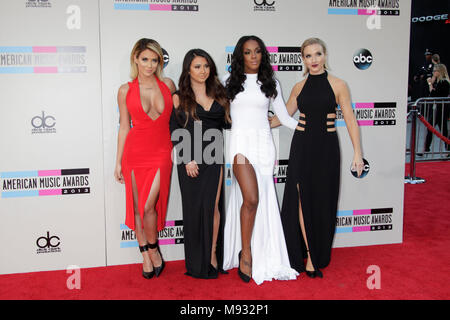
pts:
[242, 275]
[159, 269]
[146, 275]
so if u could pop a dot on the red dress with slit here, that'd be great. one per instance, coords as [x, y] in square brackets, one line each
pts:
[147, 149]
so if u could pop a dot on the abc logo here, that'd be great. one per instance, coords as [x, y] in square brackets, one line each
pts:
[364, 172]
[362, 59]
[165, 57]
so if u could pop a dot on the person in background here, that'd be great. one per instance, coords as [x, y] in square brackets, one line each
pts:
[435, 59]
[424, 73]
[440, 88]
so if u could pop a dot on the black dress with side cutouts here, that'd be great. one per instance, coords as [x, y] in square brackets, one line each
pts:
[313, 176]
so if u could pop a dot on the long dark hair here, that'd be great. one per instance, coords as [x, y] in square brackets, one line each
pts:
[234, 83]
[214, 88]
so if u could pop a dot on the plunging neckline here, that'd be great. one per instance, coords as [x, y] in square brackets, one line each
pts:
[209, 110]
[140, 99]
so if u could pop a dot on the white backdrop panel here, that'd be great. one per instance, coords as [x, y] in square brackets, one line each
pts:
[51, 124]
[65, 65]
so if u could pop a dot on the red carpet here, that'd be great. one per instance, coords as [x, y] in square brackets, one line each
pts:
[416, 269]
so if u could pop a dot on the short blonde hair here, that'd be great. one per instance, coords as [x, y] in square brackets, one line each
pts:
[311, 41]
[442, 69]
[140, 46]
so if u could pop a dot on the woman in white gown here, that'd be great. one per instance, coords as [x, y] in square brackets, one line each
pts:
[253, 235]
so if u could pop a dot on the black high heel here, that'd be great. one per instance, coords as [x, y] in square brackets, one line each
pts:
[159, 269]
[222, 271]
[242, 275]
[213, 272]
[146, 275]
[216, 269]
[313, 274]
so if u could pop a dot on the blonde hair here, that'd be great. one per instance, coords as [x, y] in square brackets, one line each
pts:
[312, 41]
[140, 46]
[442, 69]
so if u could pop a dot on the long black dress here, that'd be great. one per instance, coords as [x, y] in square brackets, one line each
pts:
[314, 166]
[199, 194]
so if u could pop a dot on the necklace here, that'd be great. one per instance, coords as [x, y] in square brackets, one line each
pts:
[149, 86]
[146, 88]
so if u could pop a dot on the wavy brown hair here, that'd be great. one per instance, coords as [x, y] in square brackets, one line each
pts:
[214, 88]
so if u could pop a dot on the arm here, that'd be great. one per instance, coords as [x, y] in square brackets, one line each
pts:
[432, 79]
[343, 96]
[291, 105]
[174, 123]
[280, 110]
[191, 167]
[170, 84]
[431, 82]
[123, 131]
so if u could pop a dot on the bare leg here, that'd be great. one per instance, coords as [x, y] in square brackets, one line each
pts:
[216, 222]
[142, 240]
[246, 177]
[309, 265]
[151, 219]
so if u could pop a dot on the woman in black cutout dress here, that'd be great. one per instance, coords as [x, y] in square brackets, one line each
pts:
[199, 106]
[312, 187]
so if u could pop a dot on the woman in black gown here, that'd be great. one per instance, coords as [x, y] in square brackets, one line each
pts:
[201, 111]
[312, 186]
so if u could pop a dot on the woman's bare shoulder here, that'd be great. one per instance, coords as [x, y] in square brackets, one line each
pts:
[176, 100]
[337, 82]
[170, 84]
[298, 87]
[123, 89]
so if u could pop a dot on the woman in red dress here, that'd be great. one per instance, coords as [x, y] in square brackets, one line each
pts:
[144, 149]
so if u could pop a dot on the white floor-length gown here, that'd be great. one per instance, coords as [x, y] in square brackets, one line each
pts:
[251, 136]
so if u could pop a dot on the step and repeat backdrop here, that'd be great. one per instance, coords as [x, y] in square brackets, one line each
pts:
[62, 62]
